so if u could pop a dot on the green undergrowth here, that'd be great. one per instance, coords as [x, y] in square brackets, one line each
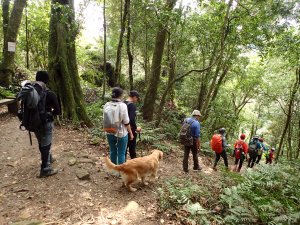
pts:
[4, 93]
[268, 194]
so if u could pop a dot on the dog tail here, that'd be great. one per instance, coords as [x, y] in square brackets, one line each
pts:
[112, 166]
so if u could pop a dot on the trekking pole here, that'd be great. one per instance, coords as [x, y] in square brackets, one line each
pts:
[30, 138]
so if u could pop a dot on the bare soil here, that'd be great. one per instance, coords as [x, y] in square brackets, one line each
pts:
[63, 198]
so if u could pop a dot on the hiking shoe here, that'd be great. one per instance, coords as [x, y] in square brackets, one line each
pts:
[47, 172]
[197, 169]
[215, 168]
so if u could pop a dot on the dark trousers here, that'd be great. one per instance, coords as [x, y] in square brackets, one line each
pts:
[187, 150]
[252, 159]
[132, 146]
[223, 154]
[258, 158]
[240, 161]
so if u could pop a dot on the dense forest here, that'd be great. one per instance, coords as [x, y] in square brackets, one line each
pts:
[236, 61]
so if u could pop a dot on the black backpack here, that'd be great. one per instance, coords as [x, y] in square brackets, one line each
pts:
[185, 136]
[32, 113]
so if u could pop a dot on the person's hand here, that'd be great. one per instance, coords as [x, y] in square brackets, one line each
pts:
[138, 129]
[131, 137]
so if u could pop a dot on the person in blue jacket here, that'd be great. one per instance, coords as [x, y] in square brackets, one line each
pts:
[195, 133]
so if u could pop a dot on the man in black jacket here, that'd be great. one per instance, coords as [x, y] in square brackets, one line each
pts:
[130, 102]
[44, 134]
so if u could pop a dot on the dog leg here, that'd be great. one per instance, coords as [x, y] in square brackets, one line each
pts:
[130, 180]
[143, 181]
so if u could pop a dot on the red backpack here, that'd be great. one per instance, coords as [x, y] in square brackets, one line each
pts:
[239, 149]
[216, 143]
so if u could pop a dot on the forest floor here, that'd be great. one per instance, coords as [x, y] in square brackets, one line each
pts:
[65, 199]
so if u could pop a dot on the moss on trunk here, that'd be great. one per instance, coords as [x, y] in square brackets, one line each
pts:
[63, 69]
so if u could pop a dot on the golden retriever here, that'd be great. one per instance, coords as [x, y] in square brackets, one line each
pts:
[136, 168]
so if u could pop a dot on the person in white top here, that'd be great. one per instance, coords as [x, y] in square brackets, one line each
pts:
[118, 141]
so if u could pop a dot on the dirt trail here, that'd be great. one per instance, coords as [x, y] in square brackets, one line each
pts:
[63, 198]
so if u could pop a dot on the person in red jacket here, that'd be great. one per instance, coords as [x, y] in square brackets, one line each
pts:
[240, 152]
[270, 156]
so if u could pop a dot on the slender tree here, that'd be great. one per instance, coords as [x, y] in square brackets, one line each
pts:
[11, 25]
[152, 86]
[129, 52]
[289, 112]
[104, 49]
[62, 60]
[117, 72]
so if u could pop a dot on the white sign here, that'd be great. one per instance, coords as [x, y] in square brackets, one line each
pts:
[11, 46]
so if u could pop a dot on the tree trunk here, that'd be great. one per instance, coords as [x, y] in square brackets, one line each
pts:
[298, 149]
[117, 72]
[151, 92]
[5, 20]
[129, 53]
[289, 113]
[10, 35]
[289, 143]
[63, 63]
[104, 50]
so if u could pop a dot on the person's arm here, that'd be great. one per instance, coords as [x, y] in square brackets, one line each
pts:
[196, 133]
[54, 103]
[125, 120]
[131, 137]
[132, 115]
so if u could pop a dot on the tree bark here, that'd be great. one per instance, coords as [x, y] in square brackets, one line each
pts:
[117, 72]
[5, 20]
[104, 50]
[289, 113]
[129, 53]
[298, 149]
[151, 92]
[10, 35]
[63, 63]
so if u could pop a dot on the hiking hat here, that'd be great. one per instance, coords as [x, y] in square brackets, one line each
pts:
[116, 92]
[134, 93]
[243, 136]
[272, 149]
[255, 137]
[196, 113]
[42, 76]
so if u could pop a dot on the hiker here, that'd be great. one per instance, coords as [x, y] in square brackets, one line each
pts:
[270, 156]
[130, 102]
[190, 138]
[240, 152]
[254, 146]
[39, 119]
[260, 151]
[219, 140]
[117, 126]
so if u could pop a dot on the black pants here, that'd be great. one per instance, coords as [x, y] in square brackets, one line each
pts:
[252, 159]
[258, 158]
[132, 146]
[187, 150]
[223, 154]
[240, 161]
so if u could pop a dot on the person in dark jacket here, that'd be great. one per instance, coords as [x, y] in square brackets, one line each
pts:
[223, 154]
[44, 134]
[130, 102]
